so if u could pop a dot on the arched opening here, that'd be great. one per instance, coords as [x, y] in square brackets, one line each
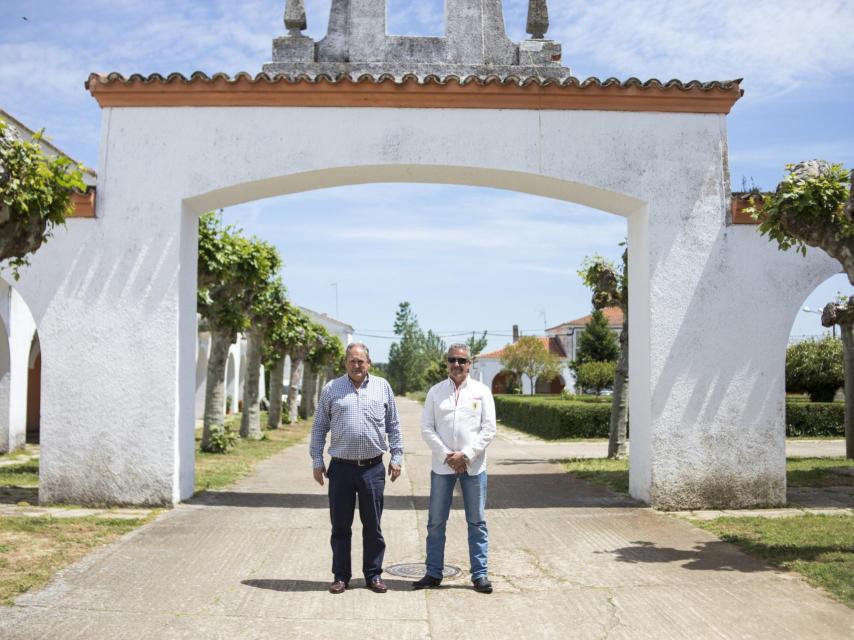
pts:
[816, 380]
[553, 387]
[34, 391]
[20, 371]
[505, 382]
[230, 385]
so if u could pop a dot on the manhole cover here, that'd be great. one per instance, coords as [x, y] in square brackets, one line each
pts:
[418, 569]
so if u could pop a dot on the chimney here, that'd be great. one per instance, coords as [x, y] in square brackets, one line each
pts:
[515, 333]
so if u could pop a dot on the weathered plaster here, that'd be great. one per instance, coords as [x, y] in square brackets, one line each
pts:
[707, 372]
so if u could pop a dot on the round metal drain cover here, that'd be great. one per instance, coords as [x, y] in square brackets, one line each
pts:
[418, 569]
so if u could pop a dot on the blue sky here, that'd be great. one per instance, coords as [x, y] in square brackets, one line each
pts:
[468, 259]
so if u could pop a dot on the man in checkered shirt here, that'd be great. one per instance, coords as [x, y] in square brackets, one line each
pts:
[360, 413]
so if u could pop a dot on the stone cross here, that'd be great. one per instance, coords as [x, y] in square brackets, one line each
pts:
[295, 16]
[538, 18]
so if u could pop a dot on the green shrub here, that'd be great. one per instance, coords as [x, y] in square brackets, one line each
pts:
[553, 418]
[596, 376]
[815, 419]
[589, 416]
[815, 367]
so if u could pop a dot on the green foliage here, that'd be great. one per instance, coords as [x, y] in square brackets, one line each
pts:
[529, 356]
[810, 419]
[436, 353]
[595, 376]
[408, 361]
[35, 196]
[609, 283]
[810, 198]
[597, 343]
[476, 345]
[222, 439]
[589, 417]
[554, 418]
[327, 349]
[815, 367]
[232, 272]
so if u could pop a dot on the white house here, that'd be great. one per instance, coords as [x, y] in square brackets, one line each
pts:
[489, 370]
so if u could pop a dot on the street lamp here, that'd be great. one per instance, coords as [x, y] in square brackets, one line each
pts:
[808, 310]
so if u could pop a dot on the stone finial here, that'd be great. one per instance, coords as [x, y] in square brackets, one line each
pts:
[538, 18]
[295, 16]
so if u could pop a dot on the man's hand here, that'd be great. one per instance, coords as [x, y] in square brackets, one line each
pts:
[319, 474]
[457, 461]
[393, 471]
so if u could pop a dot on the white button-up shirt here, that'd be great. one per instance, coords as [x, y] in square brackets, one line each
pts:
[463, 421]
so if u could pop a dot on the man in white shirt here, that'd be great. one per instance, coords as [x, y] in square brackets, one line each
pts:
[458, 423]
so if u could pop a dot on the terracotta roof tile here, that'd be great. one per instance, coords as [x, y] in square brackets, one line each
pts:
[551, 343]
[613, 315]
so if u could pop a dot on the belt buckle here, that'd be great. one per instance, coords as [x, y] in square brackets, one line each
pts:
[362, 463]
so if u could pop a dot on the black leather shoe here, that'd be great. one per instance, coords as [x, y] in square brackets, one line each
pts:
[377, 585]
[337, 587]
[483, 585]
[427, 582]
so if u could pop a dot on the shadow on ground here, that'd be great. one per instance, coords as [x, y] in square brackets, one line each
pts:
[707, 556]
[506, 491]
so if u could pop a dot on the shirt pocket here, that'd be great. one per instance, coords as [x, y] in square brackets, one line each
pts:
[376, 410]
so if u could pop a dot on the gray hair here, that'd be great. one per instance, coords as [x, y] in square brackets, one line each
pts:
[357, 345]
[460, 346]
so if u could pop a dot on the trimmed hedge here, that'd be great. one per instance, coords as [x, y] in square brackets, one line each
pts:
[553, 418]
[815, 419]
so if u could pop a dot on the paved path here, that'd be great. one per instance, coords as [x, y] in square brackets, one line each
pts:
[568, 561]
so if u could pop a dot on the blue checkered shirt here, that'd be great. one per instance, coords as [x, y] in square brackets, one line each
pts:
[360, 422]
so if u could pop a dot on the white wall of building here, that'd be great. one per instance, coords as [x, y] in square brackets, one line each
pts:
[707, 392]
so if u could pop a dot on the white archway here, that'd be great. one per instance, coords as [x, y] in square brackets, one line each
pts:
[19, 329]
[705, 417]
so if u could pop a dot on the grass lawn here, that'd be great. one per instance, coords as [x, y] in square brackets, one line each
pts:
[820, 548]
[216, 470]
[32, 549]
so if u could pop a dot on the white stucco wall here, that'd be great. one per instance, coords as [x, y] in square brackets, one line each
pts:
[707, 424]
[19, 327]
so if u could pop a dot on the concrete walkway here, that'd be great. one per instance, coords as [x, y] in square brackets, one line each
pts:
[568, 561]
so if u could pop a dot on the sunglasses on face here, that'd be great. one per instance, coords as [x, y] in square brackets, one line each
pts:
[458, 360]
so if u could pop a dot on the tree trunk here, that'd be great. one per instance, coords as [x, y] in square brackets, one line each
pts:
[250, 421]
[620, 399]
[322, 378]
[277, 378]
[215, 386]
[296, 374]
[309, 387]
[847, 331]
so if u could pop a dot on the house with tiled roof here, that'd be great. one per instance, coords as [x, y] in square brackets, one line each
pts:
[489, 370]
[569, 332]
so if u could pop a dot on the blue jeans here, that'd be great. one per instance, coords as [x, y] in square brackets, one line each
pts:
[474, 501]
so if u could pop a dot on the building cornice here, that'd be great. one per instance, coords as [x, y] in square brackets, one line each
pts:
[452, 92]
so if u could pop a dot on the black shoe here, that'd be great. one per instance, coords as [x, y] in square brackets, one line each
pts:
[483, 585]
[427, 582]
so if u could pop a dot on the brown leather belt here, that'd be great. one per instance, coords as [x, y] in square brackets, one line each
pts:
[359, 463]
